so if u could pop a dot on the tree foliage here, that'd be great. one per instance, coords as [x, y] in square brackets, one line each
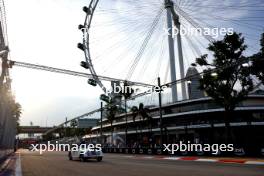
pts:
[141, 111]
[258, 61]
[8, 100]
[111, 111]
[16, 112]
[73, 123]
[226, 79]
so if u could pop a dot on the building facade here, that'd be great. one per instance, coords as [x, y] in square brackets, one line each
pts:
[196, 120]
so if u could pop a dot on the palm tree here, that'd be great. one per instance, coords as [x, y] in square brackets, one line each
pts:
[143, 112]
[150, 121]
[126, 94]
[111, 110]
[135, 111]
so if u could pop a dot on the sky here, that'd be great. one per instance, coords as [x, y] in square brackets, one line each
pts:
[45, 32]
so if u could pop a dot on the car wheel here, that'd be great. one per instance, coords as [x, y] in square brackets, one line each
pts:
[82, 159]
[70, 156]
[99, 159]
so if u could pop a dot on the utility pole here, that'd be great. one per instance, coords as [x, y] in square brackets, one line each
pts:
[168, 5]
[160, 113]
[101, 124]
[126, 122]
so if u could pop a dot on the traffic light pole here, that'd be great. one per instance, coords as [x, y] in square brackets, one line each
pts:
[126, 121]
[160, 112]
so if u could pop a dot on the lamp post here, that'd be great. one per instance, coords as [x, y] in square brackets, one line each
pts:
[101, 124]
[160, 113]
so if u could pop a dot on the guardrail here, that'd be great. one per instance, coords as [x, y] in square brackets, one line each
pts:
[240, 152]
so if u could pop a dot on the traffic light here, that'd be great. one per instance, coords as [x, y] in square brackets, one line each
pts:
[92, 82]
[80, 46]
[105, 98]
[84, 65]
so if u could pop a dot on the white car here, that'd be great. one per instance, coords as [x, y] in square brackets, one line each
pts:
[83, 153]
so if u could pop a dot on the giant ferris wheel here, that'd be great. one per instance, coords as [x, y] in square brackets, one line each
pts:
[134, 40]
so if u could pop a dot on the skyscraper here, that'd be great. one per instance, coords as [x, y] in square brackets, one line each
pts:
[193, 84]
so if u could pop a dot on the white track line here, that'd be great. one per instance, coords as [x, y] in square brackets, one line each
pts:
[5, 164]
[130, 156]
[172, 158]
[148, 157]
[207, 160]
[18, 166]
[254, 162]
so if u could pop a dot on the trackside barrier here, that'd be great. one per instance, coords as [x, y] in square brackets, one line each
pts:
[159, 151]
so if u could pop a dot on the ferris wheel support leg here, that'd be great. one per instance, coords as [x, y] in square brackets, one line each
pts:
[180, 55]
[171, 53]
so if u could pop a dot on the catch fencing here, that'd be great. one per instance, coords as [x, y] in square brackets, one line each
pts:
[7, 102]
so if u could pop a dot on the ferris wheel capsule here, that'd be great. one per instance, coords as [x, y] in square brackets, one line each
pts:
[81, 27]
[80, 46]
[92, 82]
[84, 64]
[86, 10]
[105, 98]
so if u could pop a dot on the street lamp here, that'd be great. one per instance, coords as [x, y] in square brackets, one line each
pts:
[214, 74]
